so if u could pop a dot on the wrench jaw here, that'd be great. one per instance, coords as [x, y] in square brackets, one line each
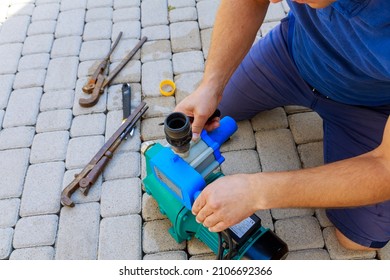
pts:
[95, 95]
[66, 201]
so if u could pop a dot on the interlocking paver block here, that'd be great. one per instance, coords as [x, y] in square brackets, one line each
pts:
[150, 209]
[186, 83]
[244, 161]
[126, 3]
[154, 12]
[34, 61]
[87, 68]
[175, 255]
[23, 107]
[14, 30]
[42, 189]
[17, 9]
[49, 146]
[46, 12]
[271, 119]
[78, 232]
[35, 231]
[206, 13]
[99, 3]
[277, 150]
[92, 124]
[120, 238]
[6, 235]
[55, 78]
[337, 252]
[151, 130]
[81, 150]
[38, 44]
[157, 32]
[66, 46]
[183, 14]
[311, 254]
[197, 247]
[311, 154]
[384, 253]
[16, 137]
[293, 109]
[123, 165]
[285, 213]
[300, 233]
[97, 14]
[242, 139]
[323, 218]
[70, 23]
[131, 73]
[97, 30]
[6, 82]
[54, 100]
[121, 197]
[94, 50]
[9, 58]
[13, 166]
[54, 120]
[185, 62]
[123, 48]
[159, 106]
[266, 219]
[205, 36]
[42, 27]
[156, 238]
[156, 50]
[185, 36]
[34, 253]
[153, 73]
[126, 14]
[181, 3]
[9, 209]
[72, 5]
[2, 113]
[306, 127]
[130, 29]
[30, 78]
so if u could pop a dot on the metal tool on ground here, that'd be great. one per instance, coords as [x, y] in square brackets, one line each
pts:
[96, 85]
[126, 101]
[177, 173]
[88, 176]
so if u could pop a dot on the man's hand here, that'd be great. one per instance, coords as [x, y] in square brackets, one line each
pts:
[226, 202]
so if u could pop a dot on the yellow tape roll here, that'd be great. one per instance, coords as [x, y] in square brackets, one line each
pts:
[167, 83]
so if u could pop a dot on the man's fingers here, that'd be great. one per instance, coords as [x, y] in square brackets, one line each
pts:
[198, 204]
[218, 227]
[197, 126]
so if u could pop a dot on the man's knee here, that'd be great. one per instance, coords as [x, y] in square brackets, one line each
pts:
[349, 244]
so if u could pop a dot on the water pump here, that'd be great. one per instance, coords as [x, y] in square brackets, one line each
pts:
[177, 173]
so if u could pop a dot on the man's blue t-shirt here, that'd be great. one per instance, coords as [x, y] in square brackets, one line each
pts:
[343, 50]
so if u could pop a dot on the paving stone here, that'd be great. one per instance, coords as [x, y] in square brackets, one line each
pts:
[6, 82]
[87, 68]
[23, 107]
[285, 213]
[78, 197]
[97, 14]
[277, 150]
[127, 14]
[55, 80]
[20, 9]
[94, 50]
[14, 30]
[242, 139]
[311, 154]
[174, 255]
[70, 23]
[150, 209]
[97, 30]
[78, 232]
[185, 36]
[269, 120]
[120, 238]
[156, 238]
[154, 12]
[152, 74]
[41, 193]
[34, 253]
[38, 44]
[54, 120]
[30, 79]
[157, 32]
[266, 219]
[159, 106]
[13, 166]
[306, 127]
[46, 12]
[123, 48]
[71, 5]
[55, 100]
[337, 252]
[118, 4]
[322, 218]
[2, 113]
[99, 3]
[300, 233]
[49, 146]
[181, 3]
[43, 2]
[66, 46]
[42, 27]
[266, 27]
[275, 12]
[183, 14]
[204, 257]
[293, 109]
[114, 97]
[16, 137]
[197, 247]
[81, 150]
[186, 83]
[151, 130]
[123, 165]
[131, 73]
[311, 254]
[121, 197]
[244, 161]
[5, 242]
[185, 62]
[9, 58]
[206, 13]
[34, 61]
[130, 29]
[35, 231]
[9, 209]
[156, 50]
[99, 107]
[205, 37]
[84, 125]
[384, 253]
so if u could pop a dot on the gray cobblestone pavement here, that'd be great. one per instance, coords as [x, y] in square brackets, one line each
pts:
[47, 50]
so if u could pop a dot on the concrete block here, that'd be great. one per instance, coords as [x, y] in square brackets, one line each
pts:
[99, 3]
[150, 209]
[34, 253]
[66, 46]
[157, 32]
[38, 44]
[123, 48]
[9, 58]
[54, 120]
[71, 5]
[244, 161]
[6, 82]
[6, 235]
[311, 254]
[311, 154]
[96, 14]
[285, 213]
[306, 127]
[55, 100]
[154, 12]
[20, 9]
[206, 13]
[118, 4]
[127, 14]
[159, 106]
[322, 218]
[30, 79]
[14, 30]
[34, 61]
[181, 3]
[185, 36]
[384, 253]
[269, 120]
[46, 12]
[85, 125]
[186, 62]
[129, 29]
[70, 23]
[186, 83]
[152, 74]
[9, 209]
[205, 37]
[151, 130]
[175, 255]
[94, 50]
[197, 247]
[49, 146]
[55, 78]
[42, 27]
[183, 14]
[16, 137]
[156, 50]
[81, 150]
[242, 139]
[131, 73]
[123, 165]
[97, 30]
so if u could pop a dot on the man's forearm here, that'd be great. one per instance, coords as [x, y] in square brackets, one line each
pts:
[235, 28]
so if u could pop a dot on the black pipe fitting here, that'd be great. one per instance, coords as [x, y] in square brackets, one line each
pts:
[177, 128]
